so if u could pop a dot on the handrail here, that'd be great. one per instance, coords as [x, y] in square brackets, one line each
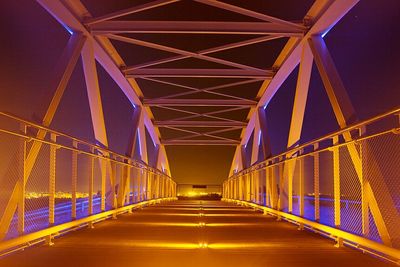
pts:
[80, 141]
[51, 232]
[292, 151]
[333, 232]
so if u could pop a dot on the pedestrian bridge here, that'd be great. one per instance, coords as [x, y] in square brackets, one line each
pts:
[189, 73]
[192, 233]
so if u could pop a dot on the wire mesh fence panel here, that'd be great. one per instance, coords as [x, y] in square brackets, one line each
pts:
[63, 201]
[381, 164]
[350, 192]
[283, 188]
[263, 186]
[135, 184]
[9, 175]
[373, 232]
[296, 168]
[37, 190]
[82, 188]
[97, 185]
[275, 185]
[111, 169]
[309, 193]
[326, 188]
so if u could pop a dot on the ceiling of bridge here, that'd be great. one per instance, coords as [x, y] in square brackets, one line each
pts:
[199, 86]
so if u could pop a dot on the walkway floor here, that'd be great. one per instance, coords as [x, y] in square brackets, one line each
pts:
[171, 235]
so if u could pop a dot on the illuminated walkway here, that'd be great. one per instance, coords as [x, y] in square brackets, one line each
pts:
[174, 234]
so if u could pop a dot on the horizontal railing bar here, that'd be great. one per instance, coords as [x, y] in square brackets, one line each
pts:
[138, 165]
[364, 242]
[257, 167]
[326, 137]
[83, 142]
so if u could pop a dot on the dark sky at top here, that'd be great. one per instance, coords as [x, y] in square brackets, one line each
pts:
[365, 47]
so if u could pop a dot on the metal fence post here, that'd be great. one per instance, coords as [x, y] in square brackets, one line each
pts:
[21, 181]
[91, 181]
[336, 181]
[316, 184]
[103, 169]
[364, 196]
[301, 185]
[140, 184]
[74, 179]
[290, 173]
[52, 177]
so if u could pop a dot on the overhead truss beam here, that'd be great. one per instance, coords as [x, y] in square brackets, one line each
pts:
[196, 27]
[199, 102]
[181, 52]
[200, 124]
[200, 73]
[216, 49]
[200, 142]
[129, 11]
[250, 13]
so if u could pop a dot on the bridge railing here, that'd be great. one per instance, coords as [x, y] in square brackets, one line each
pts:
[51, 182]
[345, 185]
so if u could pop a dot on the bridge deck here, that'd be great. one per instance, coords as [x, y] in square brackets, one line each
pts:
[169, 235]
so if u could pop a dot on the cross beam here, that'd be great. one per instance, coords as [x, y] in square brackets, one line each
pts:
[196, 27]
[199, 73]
[200, 124]
[199, 102]
[201, 142]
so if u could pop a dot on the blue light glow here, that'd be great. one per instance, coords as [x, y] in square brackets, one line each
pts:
[69, 30]
[140, 146]
[259, 138]
[325, 33]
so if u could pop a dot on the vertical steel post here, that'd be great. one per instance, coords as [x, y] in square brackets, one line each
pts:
[74, 179]
[140, 184]
[290, 184]
[274, 193]
[103, 170]
[147, 181]
[157, 186]
[135, 184]
[91, 182]
[336, 180]
[281, 189]
[268, 188]
[163, 186]
[316, 184]
[128, 183]
[364, 194]
[256, 186]
[301, 185]
[52, 177]
[247, 186]
[21, 181]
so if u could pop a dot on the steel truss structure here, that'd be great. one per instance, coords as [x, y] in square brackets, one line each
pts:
[93, 39]
[101, 32]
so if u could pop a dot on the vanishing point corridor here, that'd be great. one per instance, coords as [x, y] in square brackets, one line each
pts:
[192, 233]
[199, 133]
